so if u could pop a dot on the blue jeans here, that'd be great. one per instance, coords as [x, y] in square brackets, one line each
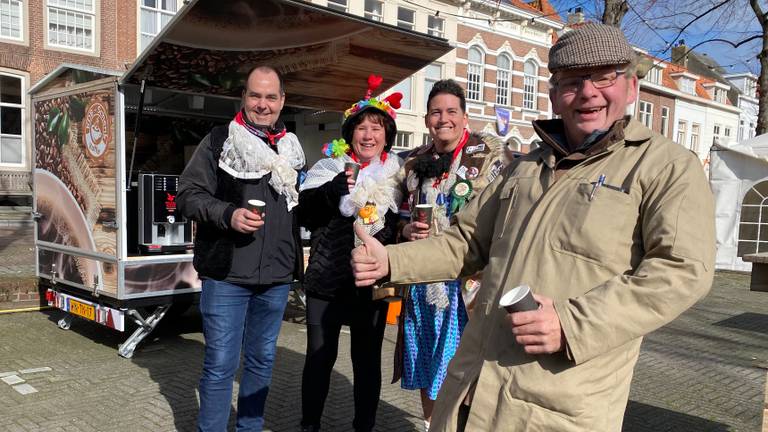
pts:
[235, 317]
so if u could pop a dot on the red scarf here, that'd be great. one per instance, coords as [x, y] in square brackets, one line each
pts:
[263, 132]
[456, 151]
[382, 158]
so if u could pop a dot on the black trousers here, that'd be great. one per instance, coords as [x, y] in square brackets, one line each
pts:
[366, 320]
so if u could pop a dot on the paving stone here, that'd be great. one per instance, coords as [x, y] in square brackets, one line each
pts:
[25, 389]
[12, 379]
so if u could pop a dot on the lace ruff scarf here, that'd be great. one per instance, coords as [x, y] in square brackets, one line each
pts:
[246, 156]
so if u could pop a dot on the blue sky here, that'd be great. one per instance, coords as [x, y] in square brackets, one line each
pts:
[653, 24]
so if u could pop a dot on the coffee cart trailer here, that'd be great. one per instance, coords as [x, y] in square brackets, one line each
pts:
[109, 147]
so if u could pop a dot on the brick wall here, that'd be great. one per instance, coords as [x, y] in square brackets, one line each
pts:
[494, 42]
[658, 100]
[116, 34]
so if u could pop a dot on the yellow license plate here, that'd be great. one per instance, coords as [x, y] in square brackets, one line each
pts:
[81, 309]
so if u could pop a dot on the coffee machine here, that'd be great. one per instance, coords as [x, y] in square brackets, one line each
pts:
[162, 229]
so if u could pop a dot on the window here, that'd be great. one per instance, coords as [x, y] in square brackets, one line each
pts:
[531, 73]
[687, 85]
[664, 120]
[716, 130]
[646, 113]
[751, 89]
[11, 119]
[10, 19]
[155, 14]
[435, 26]
[339, 5]
[425, 139]
[406, 18]
[70, 24]
[727, 132]
[374, 10]
[695, 129]
[741, 130]
[751, 130]
[753, 224]
[404, 87]
[475, 74]
[432, 74]
[682, 131]
[653, 75]
[503, 68]
[719, 95]
[403, 139]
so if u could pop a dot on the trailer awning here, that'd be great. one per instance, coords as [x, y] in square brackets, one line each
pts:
[326, 56]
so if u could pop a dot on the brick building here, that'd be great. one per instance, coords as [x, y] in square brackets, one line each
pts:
[38, 35]
[502, 53]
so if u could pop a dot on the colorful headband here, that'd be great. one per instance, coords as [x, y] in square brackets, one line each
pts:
[388, 105]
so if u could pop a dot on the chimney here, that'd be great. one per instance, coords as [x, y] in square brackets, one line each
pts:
[679, 54]
[575, 16]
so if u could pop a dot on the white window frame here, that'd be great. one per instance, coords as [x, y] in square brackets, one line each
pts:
[688, 86]
[716, 130]
[7, 16]
[503, 79]
[158, 12]
[653, 75]
[727, 131]
[430, 81]
[406, 88]
[338, 5]
[409, 25]
[475, 74]
[435, 26]
[664, 120]
[645, 113]
[22, 136]
[403, 139]
[682, 132]
[426, 139]
[530, 86]
[695, 135]
[63, 6]
[371, 14]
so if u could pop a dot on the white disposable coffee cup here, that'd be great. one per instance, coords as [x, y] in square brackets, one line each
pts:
[257, 206]
[518, 299]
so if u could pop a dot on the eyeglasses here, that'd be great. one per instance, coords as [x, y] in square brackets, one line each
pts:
[599, 80]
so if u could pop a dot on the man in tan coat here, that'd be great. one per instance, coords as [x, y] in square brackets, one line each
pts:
[609, 223]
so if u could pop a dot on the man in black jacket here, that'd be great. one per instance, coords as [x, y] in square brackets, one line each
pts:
[246, 259]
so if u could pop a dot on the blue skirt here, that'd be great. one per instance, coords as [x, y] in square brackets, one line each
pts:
[431, 337]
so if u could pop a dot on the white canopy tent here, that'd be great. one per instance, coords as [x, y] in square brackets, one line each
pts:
[734, 172]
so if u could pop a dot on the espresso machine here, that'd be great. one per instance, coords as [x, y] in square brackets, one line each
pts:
[162, 229]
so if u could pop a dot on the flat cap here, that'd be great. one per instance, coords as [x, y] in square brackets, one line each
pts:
[590, 45]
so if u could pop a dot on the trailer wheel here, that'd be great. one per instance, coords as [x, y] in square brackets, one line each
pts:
[65, 322]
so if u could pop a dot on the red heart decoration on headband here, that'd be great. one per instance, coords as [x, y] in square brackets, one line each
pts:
[394, 100]
[374, 81]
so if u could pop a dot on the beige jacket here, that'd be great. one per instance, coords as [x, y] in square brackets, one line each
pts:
[618, 267]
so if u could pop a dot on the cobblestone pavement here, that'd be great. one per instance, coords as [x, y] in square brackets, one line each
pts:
[17, 258]
[703, 372]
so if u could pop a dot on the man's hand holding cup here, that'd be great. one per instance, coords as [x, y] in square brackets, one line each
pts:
[248, 220]
[422, 223]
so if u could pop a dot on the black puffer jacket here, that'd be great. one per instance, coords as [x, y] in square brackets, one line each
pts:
[329, 273]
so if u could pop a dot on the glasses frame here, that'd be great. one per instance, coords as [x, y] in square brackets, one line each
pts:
[590, 77]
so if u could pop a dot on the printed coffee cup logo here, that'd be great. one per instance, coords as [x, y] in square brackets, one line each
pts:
[96, 129]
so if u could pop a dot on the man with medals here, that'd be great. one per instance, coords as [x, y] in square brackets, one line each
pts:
[445, 173]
